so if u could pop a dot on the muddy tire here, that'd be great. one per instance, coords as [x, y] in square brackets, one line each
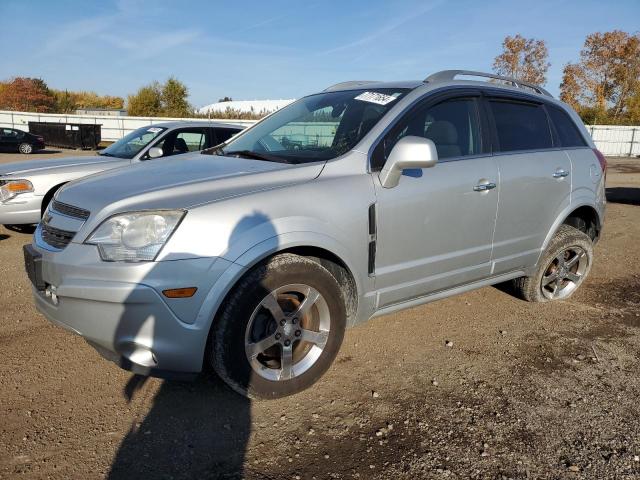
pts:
[279, 329]
[561, 270]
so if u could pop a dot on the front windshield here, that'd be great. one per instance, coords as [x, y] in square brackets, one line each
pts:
[318, 127]
[129, 145]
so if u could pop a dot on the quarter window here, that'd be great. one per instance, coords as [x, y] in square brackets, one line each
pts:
[452, 126]
[520, 126]
[568, 133]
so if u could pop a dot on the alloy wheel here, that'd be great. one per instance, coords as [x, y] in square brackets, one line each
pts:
[564, 273]
[287, 332]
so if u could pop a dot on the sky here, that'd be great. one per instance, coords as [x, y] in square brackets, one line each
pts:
[282, 48]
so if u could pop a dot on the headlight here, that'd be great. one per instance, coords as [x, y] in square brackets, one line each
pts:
[11, 188]
[135, 236]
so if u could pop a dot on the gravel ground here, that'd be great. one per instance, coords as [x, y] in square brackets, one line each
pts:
[480, 385]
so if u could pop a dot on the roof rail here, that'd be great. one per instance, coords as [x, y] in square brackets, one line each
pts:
[350, 84]
[448, 75]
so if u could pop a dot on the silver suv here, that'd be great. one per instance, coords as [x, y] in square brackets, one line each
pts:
[27, 187]
[359, 201]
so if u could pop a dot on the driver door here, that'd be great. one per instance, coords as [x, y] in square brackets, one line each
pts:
[435, 229]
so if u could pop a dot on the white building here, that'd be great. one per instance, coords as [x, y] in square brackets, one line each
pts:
[255, 106]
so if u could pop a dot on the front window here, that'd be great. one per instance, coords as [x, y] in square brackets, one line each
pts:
[315, 128]
[130, 145]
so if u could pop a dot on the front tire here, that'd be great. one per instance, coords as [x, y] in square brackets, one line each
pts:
[25, 148]
[280, 328]
[562, 268]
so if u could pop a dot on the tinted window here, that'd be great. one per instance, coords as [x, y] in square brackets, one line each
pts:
[224, 134]
[520, 126]
[567, 131]
[452, 125]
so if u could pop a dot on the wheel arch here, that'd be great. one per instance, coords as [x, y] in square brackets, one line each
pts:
[586, 219]
[573, 215]
[316, 246]
[49, 195]
[335, 261]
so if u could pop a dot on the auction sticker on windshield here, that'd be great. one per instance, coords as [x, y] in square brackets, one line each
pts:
[374, 97]
[154, 130]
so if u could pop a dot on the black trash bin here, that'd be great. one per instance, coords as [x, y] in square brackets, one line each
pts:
[68, 135]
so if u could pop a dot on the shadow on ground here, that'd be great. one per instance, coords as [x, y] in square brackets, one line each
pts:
[193, 430]
[27, 229]
[625, 195]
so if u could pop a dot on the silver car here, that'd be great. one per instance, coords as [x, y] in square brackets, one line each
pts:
[359, 201]
[27, 187]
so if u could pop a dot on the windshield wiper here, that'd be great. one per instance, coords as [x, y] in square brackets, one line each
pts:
[254, 155]
[105, 154]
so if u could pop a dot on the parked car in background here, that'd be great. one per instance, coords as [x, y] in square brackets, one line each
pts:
[27, 187]
[14, 140]
[257, 255]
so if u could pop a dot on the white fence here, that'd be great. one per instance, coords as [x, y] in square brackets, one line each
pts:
[612, 140]
[616, 140]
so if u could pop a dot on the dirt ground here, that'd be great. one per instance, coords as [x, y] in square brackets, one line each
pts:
[525, 390]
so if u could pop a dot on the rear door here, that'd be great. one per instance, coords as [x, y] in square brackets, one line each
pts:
[535, 180]
[434, 229]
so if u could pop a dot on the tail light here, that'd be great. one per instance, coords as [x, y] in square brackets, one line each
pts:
[601, 159]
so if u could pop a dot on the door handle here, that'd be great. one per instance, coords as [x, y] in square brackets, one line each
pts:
[483, 187]
[560, 174]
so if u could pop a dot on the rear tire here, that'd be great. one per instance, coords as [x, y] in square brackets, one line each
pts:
[25, 148]
[561, 270]
[279, 329]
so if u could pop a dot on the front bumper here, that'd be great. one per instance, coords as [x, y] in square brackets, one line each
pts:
[120, 310]
[21, 210]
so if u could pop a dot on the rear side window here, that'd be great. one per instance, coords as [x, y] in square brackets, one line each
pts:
[520, 126]
[568, 133]
[224, 134]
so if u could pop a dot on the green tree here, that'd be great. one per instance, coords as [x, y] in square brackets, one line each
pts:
[174, 99]
[147, 102]
[161, 100]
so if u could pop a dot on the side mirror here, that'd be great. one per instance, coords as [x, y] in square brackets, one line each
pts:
[155, 152]
[409, 152]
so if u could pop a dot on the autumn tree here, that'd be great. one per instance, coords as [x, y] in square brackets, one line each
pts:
[156, 100]
[147, 102]
[26, 95]
[69, 102]
[524, 59]
[605, 82]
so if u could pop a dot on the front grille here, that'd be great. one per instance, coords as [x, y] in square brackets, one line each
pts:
[70, 210]
[55, 237]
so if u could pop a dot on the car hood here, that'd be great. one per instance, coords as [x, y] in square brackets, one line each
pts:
[181, 182]
[40, 166]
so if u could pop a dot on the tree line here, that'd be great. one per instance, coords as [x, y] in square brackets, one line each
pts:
[25, 94]
[602, 85]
